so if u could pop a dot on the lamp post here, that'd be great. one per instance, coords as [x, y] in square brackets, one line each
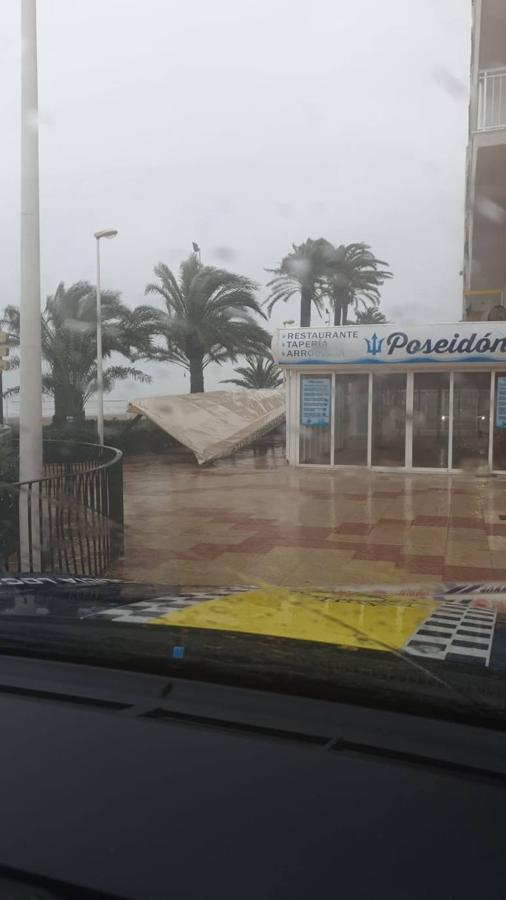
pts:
[30, 410]
[104, 233]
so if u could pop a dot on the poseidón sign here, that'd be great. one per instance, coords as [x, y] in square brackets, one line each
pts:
[466, 342]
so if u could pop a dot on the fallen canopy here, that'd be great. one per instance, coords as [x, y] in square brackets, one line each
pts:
[214, 424]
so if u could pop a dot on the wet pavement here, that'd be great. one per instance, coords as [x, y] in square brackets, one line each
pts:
[255, 520]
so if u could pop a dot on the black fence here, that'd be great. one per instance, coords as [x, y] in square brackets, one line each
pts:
[71, 520]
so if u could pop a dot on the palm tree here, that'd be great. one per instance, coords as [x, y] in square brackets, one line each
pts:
[301, 272]
[10, 363]
[369, 316]
[69, 344]
[208, 317]
[260, 372]
[356, 277]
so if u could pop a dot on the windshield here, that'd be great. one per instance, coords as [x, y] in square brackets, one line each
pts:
[253, 338]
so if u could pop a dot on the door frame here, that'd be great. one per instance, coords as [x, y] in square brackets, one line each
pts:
[294, 415]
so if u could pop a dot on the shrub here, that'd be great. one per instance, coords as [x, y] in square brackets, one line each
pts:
[8, 504]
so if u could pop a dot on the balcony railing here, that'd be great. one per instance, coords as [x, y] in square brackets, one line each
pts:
[492, 99]
[71, 520]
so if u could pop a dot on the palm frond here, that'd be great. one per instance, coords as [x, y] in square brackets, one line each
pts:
[210, 315]
[12, 363]
[302, 272]
[68, 334]
[113, 374]
[10, 322]
[369, 316]
[355, 277]
[11, 392]
[260, 372]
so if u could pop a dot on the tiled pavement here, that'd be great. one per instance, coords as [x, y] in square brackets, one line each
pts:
[306, 527]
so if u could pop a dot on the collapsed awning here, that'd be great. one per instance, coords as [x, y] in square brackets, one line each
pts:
[216, 423]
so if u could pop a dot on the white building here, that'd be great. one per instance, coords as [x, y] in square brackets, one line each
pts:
[485, 239]
[396, 397]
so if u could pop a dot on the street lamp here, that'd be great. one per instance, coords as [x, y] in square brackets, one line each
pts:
[104, 233]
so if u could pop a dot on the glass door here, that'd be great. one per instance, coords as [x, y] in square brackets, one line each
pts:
[471, 414]
[315, 419]
[350, 420]
[389, 419]
[431, 419]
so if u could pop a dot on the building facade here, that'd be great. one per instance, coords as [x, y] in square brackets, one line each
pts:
[424, 397]
[396, 397]
[485, 228]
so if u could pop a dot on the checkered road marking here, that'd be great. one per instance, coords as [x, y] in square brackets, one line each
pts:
[144, 611]
[455, 631]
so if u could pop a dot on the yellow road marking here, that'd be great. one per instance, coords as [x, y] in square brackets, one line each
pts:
[351, 620]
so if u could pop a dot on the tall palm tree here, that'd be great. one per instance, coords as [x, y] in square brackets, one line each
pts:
[301, 273]
[356, 277]
[207, 317]
[69, 348]
[260, 372]
[369, 316]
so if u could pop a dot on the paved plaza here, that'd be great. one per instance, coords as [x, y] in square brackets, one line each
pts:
[260, 521]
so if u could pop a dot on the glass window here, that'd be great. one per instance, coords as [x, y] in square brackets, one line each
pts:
[388, 419]
[431, 419]
[350, 417]
[499, 460]
[471, 410]
[315, 419]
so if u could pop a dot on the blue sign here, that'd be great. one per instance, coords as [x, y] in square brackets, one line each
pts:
[500, 402]
[315, 406]
[374, 344]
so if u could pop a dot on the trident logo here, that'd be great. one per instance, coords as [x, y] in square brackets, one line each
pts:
[374, 345]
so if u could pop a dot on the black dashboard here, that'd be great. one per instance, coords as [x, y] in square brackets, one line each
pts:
[144, 786]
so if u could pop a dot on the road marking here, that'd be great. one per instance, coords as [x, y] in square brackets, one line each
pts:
[148, 612]
[349, 620]
[455, 630]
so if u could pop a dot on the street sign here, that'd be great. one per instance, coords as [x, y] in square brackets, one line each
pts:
[4, 349]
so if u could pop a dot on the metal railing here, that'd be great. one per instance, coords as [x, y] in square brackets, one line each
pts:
[492, 99]
[71, 520]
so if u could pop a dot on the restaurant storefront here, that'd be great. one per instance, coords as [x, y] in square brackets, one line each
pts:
[387, 397]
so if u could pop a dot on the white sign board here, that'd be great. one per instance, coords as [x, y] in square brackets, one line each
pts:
[463, 342]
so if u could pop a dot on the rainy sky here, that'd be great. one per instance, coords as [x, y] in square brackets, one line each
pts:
[244, 125]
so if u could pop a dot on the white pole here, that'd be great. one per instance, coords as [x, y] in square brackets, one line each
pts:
[30, 412]
[100, 377]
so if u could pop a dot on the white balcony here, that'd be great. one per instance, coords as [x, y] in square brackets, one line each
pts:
[492, 99]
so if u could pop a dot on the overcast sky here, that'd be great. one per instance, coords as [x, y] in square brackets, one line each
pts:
[244, 125]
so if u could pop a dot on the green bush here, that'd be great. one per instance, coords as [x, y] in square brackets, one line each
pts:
[8, 464]
[133, 439]
[139, 437]
[8, 504]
